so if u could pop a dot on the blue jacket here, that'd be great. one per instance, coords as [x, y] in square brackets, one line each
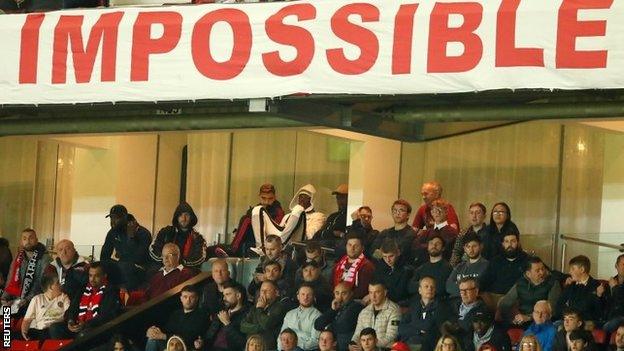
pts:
[545, 334]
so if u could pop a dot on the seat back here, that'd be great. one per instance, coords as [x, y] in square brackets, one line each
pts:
[232, 262]
[515, 335]
[600, 336]
[23, 345]
[54, 345]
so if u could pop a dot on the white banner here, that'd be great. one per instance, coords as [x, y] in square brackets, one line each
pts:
[315, 47]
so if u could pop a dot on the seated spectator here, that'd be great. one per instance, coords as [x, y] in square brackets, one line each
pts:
[529, 343]
[615, 316]
[367, 340]
[188, 323]
[448, 343]
[118, 342]
[244, 237]
[255, 343]
[176, 343]
[69, 267]
[619, 339]
[24, 282]
[267, 315]
[327, 341]
[273, 272]
[500, 224]
[420, 326]
[571, 321]
[431, 191]
[393, 271]
[353, 268]
[542, 327]
[470, 304]
[171, 274]
[212, 293]
[45, 309]
[288, 340]
[381, 314]
[505, 269]
[584, 293]
[125, 250]
[299, 225]
[6, 257]
[441, 228]
[486, 332]
[224, 331]
[342, 317]
[536, 284]
[580, 341]
[477, 226]
[97, 305]
[473, 267]
[362, 225]
[274, 251]
[336, 224]
[181, 232]
[314, 252]
[322, 290]
[436, 267]
[401, 232]
[301, 319]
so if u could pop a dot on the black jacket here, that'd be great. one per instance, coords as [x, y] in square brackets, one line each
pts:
[561, 344]
[335, 221]
[404, 237]
[502, 273]
[395, 279]
[342, 322]
[421, 324]
[72, 278]
[235, 338]
[439, 271]
[617, 302]
[493, 238]
[188, 326]
[584, 299]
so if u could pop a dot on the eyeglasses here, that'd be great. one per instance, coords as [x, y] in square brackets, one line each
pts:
[399, 210]
[466, 290]
[499, 212]
[528, 343]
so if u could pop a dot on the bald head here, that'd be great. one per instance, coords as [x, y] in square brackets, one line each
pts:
[170, 256]
[219, 271]
[66, 252]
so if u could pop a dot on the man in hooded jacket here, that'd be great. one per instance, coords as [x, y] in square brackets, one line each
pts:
[299, 225]
[191, 243]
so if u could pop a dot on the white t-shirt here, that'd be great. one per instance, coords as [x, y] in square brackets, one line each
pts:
[44, 311]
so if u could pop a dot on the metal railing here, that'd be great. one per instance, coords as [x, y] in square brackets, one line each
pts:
[564, 245]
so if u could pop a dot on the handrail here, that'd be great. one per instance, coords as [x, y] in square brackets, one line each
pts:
[592, 242]
[303, 245]
[84, 342]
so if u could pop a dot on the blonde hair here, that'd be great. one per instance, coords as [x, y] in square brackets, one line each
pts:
[530, 338]
[177, 338]
[447, 336]
[255, 337]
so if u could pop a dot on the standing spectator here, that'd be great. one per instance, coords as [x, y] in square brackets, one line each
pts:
[500, 224]
[6, 257]
[571, 321]
[125, 251]
[24, 279]
[477, 226]
[431, 191]
[336, 224]
[504, 270]
[393, 272]
[401, 231]
[301, 319]
[486, 332]
[439, 211]
[615, 316]
[536, 284]
[584, 293]
[474, 267]
[542, 327]
[354, 268]
[327, 341]
[45, 309]
[381, 314]
[212, 293]
[189, 323]
[224, 331]
[171, 274]
[70, 268]
[267, 315]
[342, 317]
[244, 237]
[182, 233]
[420, 326]
[436, 267]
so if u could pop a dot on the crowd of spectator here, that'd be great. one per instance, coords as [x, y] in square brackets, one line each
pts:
[432, 285]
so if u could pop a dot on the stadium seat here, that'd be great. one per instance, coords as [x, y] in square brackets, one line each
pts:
[135, 298]
[600, 336]
[515, 334]
[23, 345]
[53, 345]
[248, 266]
[233, 265]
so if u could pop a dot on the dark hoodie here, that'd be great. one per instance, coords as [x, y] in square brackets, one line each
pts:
[192, 244]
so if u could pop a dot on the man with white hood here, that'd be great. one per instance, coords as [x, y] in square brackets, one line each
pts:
[299, 225]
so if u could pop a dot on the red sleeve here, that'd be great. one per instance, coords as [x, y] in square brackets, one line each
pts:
[364, 278]
[452, 218]
[419, 219]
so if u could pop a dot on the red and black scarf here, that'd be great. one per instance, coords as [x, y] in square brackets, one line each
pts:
[89, 306]
[15, 286]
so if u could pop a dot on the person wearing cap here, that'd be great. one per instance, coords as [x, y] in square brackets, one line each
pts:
[400, 231]
[423, 220]
[336, 224]
[486, 332]
[182, 233]
[299, 225]
[244, 237]
[125, 251]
